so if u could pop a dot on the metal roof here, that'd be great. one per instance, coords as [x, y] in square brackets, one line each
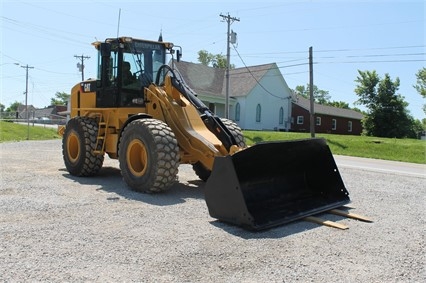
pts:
[327, 110]
[211, 81]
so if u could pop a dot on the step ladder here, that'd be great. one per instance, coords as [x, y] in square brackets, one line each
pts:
[102, 134]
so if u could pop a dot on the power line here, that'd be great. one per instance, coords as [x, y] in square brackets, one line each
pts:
[257, 81]
[337, 50]
[373, 48]
[372, 61]
[42, 31]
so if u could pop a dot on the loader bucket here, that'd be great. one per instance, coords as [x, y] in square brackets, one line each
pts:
[274, 183]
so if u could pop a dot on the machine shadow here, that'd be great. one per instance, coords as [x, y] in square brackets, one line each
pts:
[278, 232]
[109, 180]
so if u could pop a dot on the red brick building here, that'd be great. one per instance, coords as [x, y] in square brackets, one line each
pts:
[328, 119]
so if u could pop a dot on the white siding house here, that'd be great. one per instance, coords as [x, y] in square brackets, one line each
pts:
[259, 97]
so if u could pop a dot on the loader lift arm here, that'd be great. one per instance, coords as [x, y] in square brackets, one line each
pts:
[214, 124]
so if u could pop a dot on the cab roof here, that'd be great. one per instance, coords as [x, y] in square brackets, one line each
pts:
[127, 39]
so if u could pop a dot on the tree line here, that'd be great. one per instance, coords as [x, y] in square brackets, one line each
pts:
[60, 98]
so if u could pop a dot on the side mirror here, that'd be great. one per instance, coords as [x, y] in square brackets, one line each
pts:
[178, 55]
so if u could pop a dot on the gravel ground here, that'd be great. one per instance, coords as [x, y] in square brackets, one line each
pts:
[58, 228]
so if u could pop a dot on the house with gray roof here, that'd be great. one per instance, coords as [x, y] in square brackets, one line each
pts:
[24, 113]
[328, 119]
[259, 97]
[50, 113]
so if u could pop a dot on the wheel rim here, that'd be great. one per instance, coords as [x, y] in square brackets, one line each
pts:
[73, 147]
[137, 158]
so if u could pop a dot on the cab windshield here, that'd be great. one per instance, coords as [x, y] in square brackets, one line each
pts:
[140, 63]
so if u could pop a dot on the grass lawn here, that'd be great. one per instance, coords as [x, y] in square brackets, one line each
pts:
[407, 150]
[18, 132]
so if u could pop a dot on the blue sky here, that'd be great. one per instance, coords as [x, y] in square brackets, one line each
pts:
[346, 36]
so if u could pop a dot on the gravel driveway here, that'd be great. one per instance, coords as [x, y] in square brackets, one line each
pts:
[55, 227]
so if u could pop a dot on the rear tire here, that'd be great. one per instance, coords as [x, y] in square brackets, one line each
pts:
[78, 144]
[202, 172]
[148, 155]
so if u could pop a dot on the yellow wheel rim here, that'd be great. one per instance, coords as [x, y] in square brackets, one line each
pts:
[137, 158]
[73, 147]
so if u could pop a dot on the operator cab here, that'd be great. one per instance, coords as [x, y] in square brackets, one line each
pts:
[126, 66]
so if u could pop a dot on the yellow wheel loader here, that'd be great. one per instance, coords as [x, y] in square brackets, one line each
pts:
[140, 111]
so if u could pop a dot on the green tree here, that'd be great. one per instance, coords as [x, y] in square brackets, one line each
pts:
[339, 104]
[61, 98]
[421, 85]
[2, 107]
[320, 96]
[216, 61]
[418, 126]
[387, 111]
[13, 107]
[204, 57]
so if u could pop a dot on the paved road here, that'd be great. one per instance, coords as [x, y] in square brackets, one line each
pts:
[384, 166]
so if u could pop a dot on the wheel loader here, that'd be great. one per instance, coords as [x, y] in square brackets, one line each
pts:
[140, 111]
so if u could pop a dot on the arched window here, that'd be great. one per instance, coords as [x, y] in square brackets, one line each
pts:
[281, 116]
[237, 112]
[258, 112]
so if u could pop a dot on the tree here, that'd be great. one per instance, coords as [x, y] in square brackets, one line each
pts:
[421, 84]
[13, 107]
[2, 107]
[320, 96]
[387, 111]
[204, 57]
[339, 104]
[61, 98]
[216, 61]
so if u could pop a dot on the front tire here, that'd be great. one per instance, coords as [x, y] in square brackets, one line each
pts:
[78, 145]
[148, 155]
[236, 132]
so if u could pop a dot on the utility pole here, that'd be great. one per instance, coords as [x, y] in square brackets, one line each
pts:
[229, 20]
[311, 94]
[81, 66]
[26, 98]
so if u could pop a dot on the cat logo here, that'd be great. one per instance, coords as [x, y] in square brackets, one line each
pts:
[86, 87]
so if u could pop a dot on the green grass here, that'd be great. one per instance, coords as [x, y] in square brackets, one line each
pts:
[19, 132]
[407, 150]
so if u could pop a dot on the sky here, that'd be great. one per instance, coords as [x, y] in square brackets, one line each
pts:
[345, 36]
